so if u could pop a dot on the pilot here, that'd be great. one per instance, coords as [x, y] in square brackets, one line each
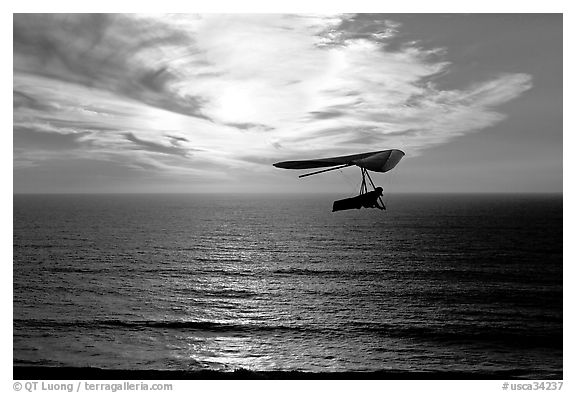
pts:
[370, 199]
[367, 200]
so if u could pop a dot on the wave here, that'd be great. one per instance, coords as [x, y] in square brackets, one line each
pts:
[32, 245]
[470, 333]
[174, 272]
[315, 272]
[464, 334]
[189, 271]
[213, 294]
[207, 326]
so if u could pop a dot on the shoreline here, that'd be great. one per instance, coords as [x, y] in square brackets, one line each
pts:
[90, 373]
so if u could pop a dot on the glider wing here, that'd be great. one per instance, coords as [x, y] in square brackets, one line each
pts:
[378, 161]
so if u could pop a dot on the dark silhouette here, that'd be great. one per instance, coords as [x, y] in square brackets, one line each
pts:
[366, 200]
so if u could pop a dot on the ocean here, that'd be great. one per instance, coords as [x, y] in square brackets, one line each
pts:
[468, 284]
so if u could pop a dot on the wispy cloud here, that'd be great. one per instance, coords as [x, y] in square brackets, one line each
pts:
[132, 57]
[153, 89]
[32, 138]
[173, 148]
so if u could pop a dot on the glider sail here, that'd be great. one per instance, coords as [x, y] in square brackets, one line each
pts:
[377, 161]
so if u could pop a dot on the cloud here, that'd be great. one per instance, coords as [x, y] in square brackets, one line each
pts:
[251, 127]
[29, 138]
[126, 55]
[173, 149]
[24, 101]
[246, 89]
[327, 114]
[358, 27]
[175, 140]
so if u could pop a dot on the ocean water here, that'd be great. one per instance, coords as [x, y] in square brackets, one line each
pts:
[469, 283]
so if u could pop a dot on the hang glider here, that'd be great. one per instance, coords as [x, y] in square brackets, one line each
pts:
[377, 161]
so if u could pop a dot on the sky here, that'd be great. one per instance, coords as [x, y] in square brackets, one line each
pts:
[207, 103]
